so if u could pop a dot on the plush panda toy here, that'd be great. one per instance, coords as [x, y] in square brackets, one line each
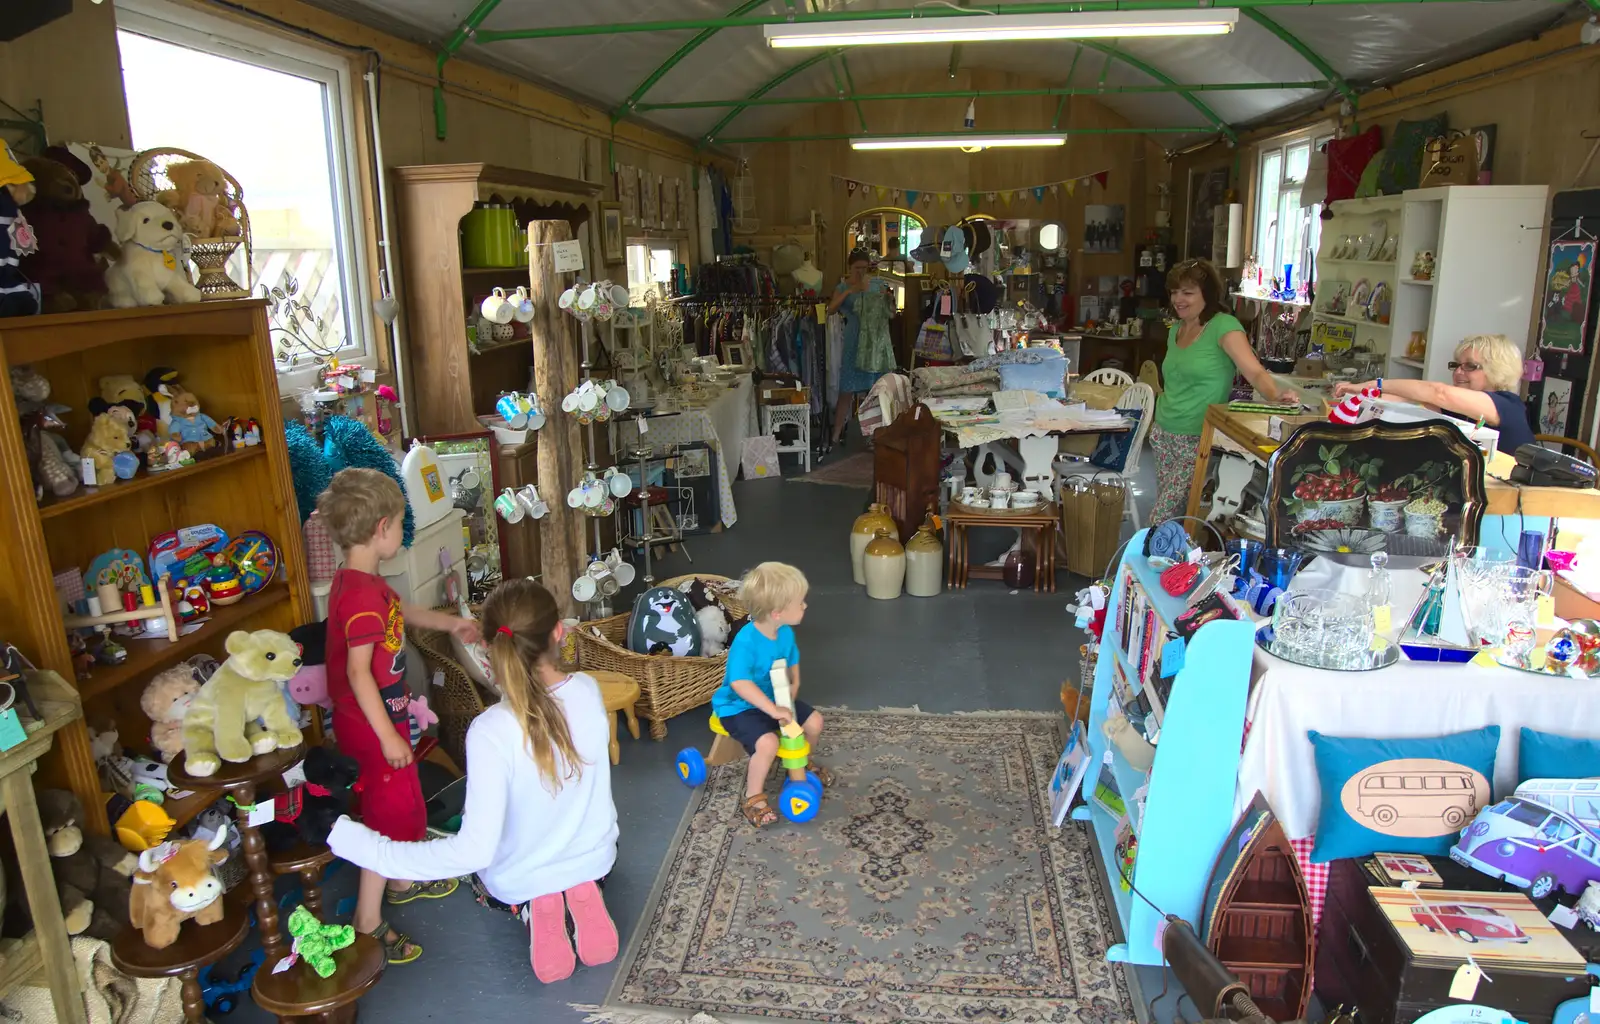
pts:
[664, 623]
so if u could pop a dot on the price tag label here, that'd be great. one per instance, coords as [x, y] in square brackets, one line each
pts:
[568, 256]
[1546, 612]
[263, 812]
[1594, 999]
[1382, 618]
[1172, 656]
[1465, 984]
[286, 963]
[11, 730]
[295, 776]
[369, 376]
[643, 424]
[1563, 917]
[944, 304]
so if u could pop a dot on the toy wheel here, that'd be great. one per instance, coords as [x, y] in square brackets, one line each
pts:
[799, 801]
[811, 777]
[691, 767]
[223, 1005]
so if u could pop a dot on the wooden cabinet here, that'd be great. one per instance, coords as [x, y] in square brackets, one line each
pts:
[222, 351]
[449, 383]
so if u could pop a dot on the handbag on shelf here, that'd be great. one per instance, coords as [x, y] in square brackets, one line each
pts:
[1450, 159]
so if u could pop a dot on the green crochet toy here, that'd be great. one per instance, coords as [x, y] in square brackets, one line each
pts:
[317, 942]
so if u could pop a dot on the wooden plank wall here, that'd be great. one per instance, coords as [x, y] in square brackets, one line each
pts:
[794, 178]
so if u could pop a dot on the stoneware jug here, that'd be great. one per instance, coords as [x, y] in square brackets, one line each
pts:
[867, 525]
[924, 561]
[884, 563]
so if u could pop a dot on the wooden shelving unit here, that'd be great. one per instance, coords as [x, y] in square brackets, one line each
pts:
[450, 385]
[221, 349]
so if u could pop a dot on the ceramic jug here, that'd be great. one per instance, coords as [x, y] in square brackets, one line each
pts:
[925, 561]
[884, 563]
[867, 525]
[1019, 570]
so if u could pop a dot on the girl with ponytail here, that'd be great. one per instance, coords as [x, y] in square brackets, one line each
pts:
[539, 829]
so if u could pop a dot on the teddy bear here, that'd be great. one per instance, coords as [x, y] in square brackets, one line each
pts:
[150, 270]
[221, 723]
[18, 295]
[165, 701]
[200, 196]
[108, 435]
[122, 391]
[74, 248]
[188, 425]
[93, 873]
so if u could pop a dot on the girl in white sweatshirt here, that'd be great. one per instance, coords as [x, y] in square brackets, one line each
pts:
[539, 827]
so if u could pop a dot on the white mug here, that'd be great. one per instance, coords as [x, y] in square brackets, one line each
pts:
[496, 309]
[522, 306]
[584, 589]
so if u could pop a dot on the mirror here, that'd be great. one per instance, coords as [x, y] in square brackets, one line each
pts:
[889, 232]
[467, 463]
[1051, 237]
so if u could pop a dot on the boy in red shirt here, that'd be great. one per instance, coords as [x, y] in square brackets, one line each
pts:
[364, 511]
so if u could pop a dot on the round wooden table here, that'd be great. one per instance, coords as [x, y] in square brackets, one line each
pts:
[197, 946]
[308, 861]
[620, 693]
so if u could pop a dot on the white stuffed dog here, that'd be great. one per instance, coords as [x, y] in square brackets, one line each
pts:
[150, 270]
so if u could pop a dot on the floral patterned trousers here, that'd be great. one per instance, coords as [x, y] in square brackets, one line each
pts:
[1176, 458]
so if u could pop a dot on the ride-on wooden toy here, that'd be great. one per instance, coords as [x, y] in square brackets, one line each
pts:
[801, 796]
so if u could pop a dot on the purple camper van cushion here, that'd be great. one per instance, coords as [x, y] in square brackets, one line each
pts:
[1401, 796]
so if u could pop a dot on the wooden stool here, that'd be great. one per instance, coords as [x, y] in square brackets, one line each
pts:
[308, 862]
[299, 994]
[1040, 523]
[620, 693]
[197, 946]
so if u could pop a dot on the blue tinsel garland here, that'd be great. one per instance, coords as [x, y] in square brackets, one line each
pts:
[347, 442]
[308, 468]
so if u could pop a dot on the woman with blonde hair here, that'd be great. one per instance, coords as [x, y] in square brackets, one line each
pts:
[1484, 375]
[539, 829]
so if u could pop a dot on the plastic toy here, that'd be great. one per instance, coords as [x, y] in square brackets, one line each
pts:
[143, 825]
[220, 992]
[255, 557]
[317, 942]
[185, 551]
[801, 796]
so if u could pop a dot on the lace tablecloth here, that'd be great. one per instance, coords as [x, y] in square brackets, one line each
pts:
[724, 423]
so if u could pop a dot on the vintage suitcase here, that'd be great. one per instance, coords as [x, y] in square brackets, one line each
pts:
[1361, 960]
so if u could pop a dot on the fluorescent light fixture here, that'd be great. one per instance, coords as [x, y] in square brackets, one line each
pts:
[974, 141]
[979, 28]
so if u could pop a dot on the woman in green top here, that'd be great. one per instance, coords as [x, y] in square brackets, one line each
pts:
[1206, 348]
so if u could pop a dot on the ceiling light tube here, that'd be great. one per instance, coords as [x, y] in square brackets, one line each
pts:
[974, 141]
[978, 28]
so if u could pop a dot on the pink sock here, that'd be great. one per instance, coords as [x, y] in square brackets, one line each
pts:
[593, 929]
[548, 947]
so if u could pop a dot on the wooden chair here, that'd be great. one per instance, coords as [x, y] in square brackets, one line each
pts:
[905, 467]
[1582, 449]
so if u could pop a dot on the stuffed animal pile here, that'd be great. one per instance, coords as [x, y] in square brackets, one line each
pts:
[306, 813]
[222, 723]
[92, 873]
[718, 624]
[200, 197]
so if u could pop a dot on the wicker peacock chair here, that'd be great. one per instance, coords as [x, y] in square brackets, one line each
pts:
[150, 176]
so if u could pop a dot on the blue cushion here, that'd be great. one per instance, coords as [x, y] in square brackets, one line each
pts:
[1112, 451]
[1400, 796]
[1544, 755]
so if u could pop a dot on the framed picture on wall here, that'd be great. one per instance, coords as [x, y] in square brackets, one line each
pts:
[1207, 190]
[611, 240]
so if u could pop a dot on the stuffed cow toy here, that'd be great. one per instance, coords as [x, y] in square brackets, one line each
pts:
[176, 882]
[240, 711]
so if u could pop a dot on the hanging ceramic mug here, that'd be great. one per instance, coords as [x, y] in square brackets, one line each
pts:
[514, 408]
[569, 299]
[585, 589]
[575, 497]
[535, 413]
[496, 309]
[617, 396]
[588, 396]
[522, 309]
[619, 296]
[604, 304]
[622, 570]
[620, 483]
[509, 508]
[528, 499]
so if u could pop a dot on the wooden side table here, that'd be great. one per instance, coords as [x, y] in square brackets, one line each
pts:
[309, 862]
[620, 693]
[297, 992]
[197, 946]
[1038, 523]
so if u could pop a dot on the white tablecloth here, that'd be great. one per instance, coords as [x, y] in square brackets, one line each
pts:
[724, 424]
[1411, 699]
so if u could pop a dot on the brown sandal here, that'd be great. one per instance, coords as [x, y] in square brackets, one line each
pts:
[823, 775]
[757, 811]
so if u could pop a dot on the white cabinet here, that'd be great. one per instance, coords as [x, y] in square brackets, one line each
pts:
[417, 573]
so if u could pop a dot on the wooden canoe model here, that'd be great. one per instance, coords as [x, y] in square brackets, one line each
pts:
[1257, 915]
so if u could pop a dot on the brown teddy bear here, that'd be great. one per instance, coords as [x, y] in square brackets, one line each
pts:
[200, 197]
[165, 701]
[93, 873]
[108, 435]
[74, 248]
[188, 425]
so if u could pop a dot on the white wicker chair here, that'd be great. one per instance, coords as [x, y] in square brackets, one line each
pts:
[1110, 375]
[1137, 396]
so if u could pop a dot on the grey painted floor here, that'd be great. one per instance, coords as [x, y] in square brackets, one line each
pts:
[978, 649]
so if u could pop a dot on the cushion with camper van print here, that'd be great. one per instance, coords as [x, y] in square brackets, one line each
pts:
[1403, 796]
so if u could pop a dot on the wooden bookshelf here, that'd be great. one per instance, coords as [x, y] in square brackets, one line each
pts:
[222, 351]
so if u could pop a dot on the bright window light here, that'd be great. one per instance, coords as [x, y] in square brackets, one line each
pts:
[977, 28]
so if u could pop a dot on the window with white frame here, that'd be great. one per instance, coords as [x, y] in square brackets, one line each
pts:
[279, 121]
[1287, 232]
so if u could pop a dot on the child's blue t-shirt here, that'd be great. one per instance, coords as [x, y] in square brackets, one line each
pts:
[750, 656]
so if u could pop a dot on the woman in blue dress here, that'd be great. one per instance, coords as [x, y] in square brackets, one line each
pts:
[853, 382]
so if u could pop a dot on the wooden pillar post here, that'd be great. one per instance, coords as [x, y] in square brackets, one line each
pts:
[556, 358]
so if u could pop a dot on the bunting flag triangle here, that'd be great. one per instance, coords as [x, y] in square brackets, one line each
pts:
[911, 197]
[1072, 188]
[851, 186]
[972, 197]
[1038, 193]
[1101, 178]
[960, 199]
[1053, 188]
[991, 197]
[880, 190]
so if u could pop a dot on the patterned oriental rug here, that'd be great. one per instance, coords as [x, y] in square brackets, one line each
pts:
[849, 471]
[930, 888]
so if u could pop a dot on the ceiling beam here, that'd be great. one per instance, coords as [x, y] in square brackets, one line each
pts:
[1311, 56]
[705, 34]
[835, 136]
[1314, 85]
[740, 18]
[1162, 77]
[772, 83]
[850, 84]
[456, 41]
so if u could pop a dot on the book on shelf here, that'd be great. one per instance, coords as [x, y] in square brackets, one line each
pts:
[1070, 770]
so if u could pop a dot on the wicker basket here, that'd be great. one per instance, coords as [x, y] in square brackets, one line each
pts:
[459, 700]
[148, 176]
[668, 686]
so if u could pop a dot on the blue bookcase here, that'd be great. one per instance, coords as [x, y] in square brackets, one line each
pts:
[1188, 809]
